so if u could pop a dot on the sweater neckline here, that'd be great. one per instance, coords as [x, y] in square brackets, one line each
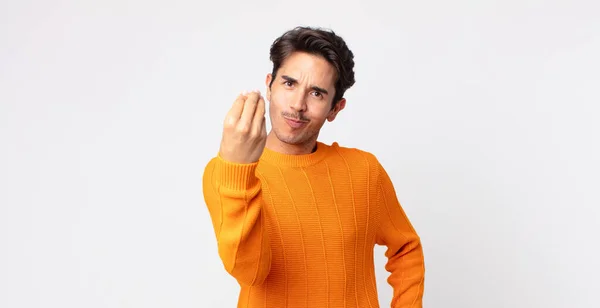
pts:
[295, 160]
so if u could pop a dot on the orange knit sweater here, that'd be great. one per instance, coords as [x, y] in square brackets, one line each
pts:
[299, 230]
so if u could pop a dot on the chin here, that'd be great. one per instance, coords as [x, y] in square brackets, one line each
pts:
[291, 138]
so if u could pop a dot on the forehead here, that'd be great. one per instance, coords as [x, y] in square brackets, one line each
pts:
[309, 68]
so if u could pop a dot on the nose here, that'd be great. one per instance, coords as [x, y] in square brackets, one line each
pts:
[298, 101]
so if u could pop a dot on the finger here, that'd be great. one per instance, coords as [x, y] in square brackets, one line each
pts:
[259, 115]
[249, 109]
[235, 112]
[263, 131]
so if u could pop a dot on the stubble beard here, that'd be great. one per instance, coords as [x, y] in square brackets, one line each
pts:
[292, 138]
[295, 137]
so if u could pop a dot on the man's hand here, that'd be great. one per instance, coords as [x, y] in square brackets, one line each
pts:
[244, 130]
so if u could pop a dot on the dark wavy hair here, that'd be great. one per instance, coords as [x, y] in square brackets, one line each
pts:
[321, 42]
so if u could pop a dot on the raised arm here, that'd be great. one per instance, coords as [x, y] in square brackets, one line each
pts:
[233, 193]
[404, 251]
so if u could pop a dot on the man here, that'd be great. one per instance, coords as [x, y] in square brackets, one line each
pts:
[296, 220]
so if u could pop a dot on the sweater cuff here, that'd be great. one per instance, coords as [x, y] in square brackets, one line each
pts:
[237, 176]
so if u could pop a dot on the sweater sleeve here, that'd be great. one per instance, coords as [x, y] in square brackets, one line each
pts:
[404, 251]
[233, 195]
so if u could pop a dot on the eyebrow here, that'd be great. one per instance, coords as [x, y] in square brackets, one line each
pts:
[293, 80]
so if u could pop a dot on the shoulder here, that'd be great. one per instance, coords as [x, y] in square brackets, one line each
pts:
[355, 157]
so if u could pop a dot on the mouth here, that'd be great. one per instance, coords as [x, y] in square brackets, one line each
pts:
[295, 123]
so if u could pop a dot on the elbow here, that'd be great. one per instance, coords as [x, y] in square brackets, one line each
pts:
[251, 275]
[250, 271]
[410, 251]
[252, 280]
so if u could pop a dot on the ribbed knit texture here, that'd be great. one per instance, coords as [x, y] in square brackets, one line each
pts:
[299, 230]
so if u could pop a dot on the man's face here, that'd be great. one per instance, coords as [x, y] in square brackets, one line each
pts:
[301, 97]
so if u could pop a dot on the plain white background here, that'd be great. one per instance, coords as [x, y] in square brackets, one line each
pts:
[485, 114]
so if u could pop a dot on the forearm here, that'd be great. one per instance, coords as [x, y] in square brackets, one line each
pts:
[407, 273]
[233, 195]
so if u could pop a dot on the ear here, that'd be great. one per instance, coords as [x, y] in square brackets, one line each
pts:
[338, 107]
[268, 83]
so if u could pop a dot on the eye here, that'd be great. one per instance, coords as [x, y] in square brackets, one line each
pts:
[317, 94]
[288, 83]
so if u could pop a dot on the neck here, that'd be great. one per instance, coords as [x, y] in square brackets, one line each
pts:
[274, 144]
